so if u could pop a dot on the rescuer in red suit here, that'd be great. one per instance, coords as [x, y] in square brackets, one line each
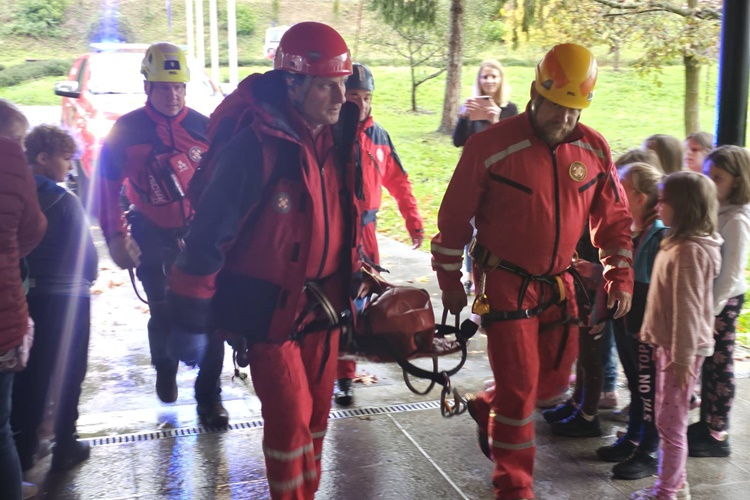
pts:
[274, 237]
[531, 182]
[381, 167]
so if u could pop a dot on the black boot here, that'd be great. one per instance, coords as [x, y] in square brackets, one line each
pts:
[706, 445]
[345, 394]
[560, 412]
[69, 453]
[637, 466]
[697, 430]
[577, 426]
[166, 382]
[482, 436]
[617, 452]
[213, 414]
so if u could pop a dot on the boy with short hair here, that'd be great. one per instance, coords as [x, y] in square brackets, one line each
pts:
[61, 271]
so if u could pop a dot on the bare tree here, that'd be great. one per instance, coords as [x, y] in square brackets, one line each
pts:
[453, 80]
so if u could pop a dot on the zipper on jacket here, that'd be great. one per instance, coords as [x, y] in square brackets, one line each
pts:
[321, 169]
[557, 210]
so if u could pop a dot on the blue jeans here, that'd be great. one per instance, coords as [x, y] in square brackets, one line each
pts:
[10, 467]
[609, 359]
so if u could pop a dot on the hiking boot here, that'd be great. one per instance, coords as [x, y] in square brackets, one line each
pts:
[68, 454]
[637, 466]
[213, 414]
[577, 426]
[616, 452]
[345, 394]
[707, 445]
[565, 410]
[166, 382]
[482, 435]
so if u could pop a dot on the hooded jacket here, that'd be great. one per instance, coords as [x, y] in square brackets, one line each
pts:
[22, 226]
[277, 212]
[734, 228]
[680, 305]
[65, 262]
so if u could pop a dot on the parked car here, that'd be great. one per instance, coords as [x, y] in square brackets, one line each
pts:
[105, 84]
[273, 36]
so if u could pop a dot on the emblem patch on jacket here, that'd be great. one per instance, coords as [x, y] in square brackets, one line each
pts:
[577, 171]
[195, 154]
[282, 203]
[380, 155]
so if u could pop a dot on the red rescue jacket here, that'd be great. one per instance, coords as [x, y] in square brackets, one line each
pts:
[381, 167]
[128, 156]
[531, 203]
[277, 212]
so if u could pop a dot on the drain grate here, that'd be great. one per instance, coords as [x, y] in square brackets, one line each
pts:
[255, 424]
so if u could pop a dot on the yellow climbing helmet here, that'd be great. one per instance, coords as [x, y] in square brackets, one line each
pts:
[567, 75]
[165, 62]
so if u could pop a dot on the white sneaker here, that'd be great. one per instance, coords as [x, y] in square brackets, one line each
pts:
[650, 493]
[28, 490]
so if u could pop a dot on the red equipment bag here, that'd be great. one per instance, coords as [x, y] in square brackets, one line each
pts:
[397, 324]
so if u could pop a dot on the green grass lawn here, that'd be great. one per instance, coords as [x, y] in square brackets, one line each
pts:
[627, 108]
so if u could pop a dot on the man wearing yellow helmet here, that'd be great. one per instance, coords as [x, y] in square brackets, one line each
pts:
[154, 152]
[531, 182]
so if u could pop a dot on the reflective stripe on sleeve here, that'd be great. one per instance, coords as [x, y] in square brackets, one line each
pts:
[452, 252]
[447, 267]
[622, 252]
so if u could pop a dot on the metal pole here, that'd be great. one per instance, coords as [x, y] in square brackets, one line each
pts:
[200, 34]
[232, 29]
[734, 65]
[214, 35]
[189, 28]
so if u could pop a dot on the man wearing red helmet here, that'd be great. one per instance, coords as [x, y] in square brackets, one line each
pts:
[531, 182]
[270, 258]
[381, 167]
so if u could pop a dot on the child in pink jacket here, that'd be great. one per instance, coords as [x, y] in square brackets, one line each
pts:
[679, 318]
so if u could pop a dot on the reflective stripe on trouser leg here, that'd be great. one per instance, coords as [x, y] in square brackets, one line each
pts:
[512, 346]
[321, 386]
[285, 377]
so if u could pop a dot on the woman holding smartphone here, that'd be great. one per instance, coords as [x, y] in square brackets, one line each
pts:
[489, 105]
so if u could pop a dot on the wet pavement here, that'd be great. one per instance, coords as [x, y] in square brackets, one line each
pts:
[391, 444]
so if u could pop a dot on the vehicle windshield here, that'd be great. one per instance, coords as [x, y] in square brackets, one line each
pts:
[120, 73]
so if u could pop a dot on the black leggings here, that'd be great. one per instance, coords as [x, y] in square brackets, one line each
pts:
[717, 386]
[639, 366]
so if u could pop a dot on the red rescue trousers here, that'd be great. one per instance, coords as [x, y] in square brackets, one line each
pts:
[522, 355]
[295, 401]
[347, 368]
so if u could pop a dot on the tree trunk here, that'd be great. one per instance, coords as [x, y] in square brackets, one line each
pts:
[453, 78]
[692, 94]
[413, 87]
